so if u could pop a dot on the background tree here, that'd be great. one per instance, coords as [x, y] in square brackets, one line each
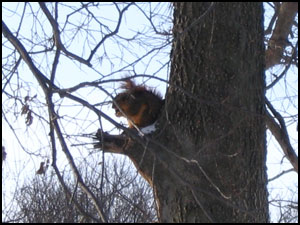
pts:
[63, 39]
[127, 199]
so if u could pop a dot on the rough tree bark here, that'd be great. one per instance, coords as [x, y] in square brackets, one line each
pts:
[206, 161]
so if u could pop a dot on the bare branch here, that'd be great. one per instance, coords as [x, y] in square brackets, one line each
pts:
[42, 79]
[280, 133]
[58, 41]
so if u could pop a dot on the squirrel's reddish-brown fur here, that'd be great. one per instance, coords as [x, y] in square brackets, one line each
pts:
[139, 104]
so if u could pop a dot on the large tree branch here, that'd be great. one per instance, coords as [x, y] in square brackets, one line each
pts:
[279, 38]
[110, 143]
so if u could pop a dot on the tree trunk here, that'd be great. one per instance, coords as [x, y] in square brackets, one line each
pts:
[206, 162]
[215, 107]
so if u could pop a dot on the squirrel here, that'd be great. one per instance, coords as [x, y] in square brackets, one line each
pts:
[139, 104]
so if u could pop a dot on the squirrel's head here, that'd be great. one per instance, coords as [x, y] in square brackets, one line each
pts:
[128, 102]
[123, 101]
